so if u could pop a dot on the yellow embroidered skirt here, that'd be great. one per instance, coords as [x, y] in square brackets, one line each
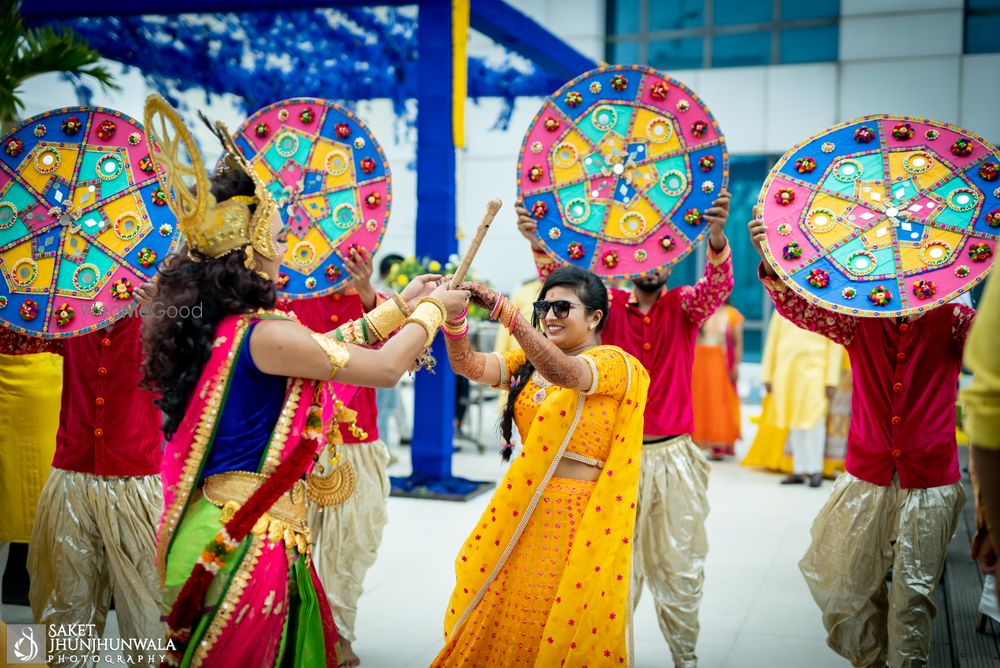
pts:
[505, 628]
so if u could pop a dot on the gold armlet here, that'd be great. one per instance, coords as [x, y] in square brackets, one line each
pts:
[385, 318]
[429, 316]
[436, 302]
[336, 352]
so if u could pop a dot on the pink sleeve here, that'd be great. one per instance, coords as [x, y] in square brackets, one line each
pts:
[704, 298]
[837, 327]
[13, 343]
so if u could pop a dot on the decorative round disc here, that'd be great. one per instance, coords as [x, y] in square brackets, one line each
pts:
[332, 179]
[618, 168]
[884, 215]
[82, 221]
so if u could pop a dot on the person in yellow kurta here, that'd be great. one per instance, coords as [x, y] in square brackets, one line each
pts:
[800, 372]
[982, 419]
[543, 578]
[30, 387]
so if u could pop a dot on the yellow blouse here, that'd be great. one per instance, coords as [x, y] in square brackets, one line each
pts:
[594, 432]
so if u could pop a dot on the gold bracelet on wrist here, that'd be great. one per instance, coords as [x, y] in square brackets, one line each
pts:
[336, 352]
[427, 315]
[386, 318]
[436, 302]
[401, 303]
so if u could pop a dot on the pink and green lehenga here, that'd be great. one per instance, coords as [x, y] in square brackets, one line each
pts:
[233, 549]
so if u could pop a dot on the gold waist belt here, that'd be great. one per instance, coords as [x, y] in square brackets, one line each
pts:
[284, 520]
[569, 454]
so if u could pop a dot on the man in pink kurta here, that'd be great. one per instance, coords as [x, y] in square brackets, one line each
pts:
[899, 502]
[660, 328]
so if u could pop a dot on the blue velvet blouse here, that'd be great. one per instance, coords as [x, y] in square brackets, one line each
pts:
[248, 416]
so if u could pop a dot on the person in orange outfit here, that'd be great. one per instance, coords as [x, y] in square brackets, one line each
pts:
[714, 399]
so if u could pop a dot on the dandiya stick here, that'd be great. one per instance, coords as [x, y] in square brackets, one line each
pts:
[491, 211]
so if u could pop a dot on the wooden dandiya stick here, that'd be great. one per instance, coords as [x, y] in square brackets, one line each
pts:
[491, 211]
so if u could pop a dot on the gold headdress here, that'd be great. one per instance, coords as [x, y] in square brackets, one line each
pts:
[210, 229]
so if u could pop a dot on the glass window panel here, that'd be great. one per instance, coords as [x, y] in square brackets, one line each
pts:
[730, 12]
[676, 14]
[809, 9]
[675, 54]
[810, 45]
[623, 53]
[984, 4]
[624, 15]
[749, 48]
[982, 33]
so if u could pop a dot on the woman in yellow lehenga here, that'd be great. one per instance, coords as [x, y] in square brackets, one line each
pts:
[543, 579]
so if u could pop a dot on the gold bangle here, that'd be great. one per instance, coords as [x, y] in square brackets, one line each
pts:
[336, 352]
[385, 319]
[429, 317]
[436, 302]
[401, 303]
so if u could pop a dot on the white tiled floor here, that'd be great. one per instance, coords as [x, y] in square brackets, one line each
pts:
[756, 610]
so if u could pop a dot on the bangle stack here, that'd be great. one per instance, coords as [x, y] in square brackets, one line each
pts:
[505, 313]
[458, 328]
[375, 326]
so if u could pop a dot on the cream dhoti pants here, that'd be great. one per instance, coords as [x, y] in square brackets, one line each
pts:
[861, 531]
[346, 537]
[670, 540]
[94, 537]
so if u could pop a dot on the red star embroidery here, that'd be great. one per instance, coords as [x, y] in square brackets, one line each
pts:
[579, 585]
[558, 599]
[541, 418]
[496, 542]
[628, 402]
[478, 536]
[528, 482]
[562, 413]
[550, 640]
[597, 569]
[611, 616]
[632, 506]
[464, 558]
[594, 630]
[607, 652]
[607, 532]
[618, 498]
[571, 622]
[610, 473]
[625, 541]
[619, 577]
[515, 513]
[588, 543]
[597, 509]
[572, 645]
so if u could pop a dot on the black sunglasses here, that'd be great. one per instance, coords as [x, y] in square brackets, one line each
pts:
[560, 307]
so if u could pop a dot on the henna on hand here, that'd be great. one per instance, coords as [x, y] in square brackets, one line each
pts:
[464, 360]
[552, 363]
[481, 295]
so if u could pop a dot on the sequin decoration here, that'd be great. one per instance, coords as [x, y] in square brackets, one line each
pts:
[805, 165]
[692, 217]
[785, 196]
[980, 252]
[962, 148]
[819, 278]
[335, 187]
[907, 207]
[659, 91]
[78, 213]
[924, 289]
[989, 171]
[880, 296]
[902, 132]
[64, 315]
[791, 251]
[864, 135]
[618, 170]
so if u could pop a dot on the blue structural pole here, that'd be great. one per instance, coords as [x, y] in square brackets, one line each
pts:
[433, 429]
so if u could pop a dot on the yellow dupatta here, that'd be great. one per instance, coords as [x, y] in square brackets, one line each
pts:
[590, 620]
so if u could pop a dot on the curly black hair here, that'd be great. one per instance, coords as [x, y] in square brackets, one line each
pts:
[177, 337]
